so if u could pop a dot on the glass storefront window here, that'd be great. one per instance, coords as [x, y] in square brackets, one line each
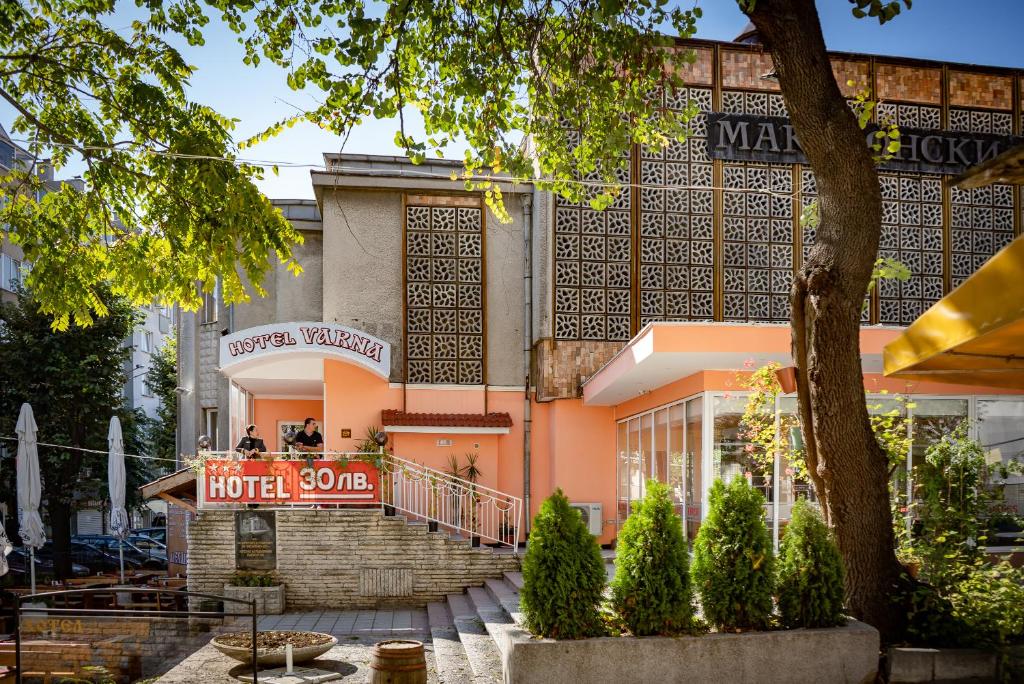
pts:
[1001, 433]
[636, 462]
[660, 469]
[931, 420]
[694, 462]
[733, 456]
[622, 473]
[675, 416]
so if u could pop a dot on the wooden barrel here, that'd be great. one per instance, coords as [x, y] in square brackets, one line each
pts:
[398, 662]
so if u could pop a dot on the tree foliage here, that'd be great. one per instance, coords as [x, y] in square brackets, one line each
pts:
[74, 381]
[651, 591]
[810, 583]
[163, 202]
[162, 380]
[573, 77]
[733, 563]
[563, 574]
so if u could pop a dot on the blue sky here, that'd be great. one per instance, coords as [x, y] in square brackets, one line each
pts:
[982, 32]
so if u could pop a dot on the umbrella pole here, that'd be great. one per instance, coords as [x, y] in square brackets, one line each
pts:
[120, 553]
[32, 566]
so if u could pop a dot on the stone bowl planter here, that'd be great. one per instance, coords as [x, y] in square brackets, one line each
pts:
[275, 656]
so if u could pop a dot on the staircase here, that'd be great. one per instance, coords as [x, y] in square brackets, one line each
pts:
[467, 630]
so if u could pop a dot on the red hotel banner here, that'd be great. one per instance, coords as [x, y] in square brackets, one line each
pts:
[290, 482]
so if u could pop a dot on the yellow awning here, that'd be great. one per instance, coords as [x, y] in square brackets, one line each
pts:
[972, 336]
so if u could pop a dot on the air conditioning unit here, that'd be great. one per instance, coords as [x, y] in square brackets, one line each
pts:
[591, 513]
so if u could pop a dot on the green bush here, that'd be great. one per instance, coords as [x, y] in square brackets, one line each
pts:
[254, 579]
[810, 572]
[563, 574]
[733, 565]
[651, 590]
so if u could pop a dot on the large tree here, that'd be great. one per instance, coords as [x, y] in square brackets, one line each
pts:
[163, 203]
[849, 468]
[74, 380]
[162, 381]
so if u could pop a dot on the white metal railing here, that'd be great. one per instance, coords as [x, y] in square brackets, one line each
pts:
[451, 502]
[417, 491]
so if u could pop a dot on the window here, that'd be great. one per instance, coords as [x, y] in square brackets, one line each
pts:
[11, 273]
[210, 424]
[146, 341]
[211, 302]
[146, 391]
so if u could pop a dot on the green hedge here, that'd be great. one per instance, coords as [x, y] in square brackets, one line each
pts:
[651, 590]
[733, 564]
[810, 572]
[563, 574]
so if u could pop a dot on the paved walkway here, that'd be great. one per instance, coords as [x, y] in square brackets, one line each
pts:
[357, 631]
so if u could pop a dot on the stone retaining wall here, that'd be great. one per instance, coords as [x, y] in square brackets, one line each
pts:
[127, 650]
[347, 559]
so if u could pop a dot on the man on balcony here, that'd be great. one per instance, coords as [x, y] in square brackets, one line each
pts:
[309, 440]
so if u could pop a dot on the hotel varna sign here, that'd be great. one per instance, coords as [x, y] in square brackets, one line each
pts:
[282, 483]
[743, 137]
[328, 339]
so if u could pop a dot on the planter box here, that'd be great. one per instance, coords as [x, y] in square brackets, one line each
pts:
[840, 654]
[911, 665]
[269, 600]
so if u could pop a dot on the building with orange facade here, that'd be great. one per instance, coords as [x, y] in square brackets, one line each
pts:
[591, 350]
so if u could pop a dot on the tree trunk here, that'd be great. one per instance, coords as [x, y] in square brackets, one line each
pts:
[60, 529]
[828, 293]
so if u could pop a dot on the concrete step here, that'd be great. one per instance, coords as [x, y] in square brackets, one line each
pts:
[515, 579]
[450, 658]
[481, 649]
[507, 597]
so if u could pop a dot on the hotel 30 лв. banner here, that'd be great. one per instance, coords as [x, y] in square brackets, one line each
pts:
[290, 482]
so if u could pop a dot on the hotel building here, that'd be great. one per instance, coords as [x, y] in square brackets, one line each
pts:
[591, 350]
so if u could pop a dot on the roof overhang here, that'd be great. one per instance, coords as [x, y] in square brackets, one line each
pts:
[665, 352]
[972, 336]
[1006, 168]
[178, 488]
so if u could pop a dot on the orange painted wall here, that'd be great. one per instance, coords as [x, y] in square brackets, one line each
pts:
[431, 400]
[423, 449]
[578, 447]
[266, 413]
[353, 399]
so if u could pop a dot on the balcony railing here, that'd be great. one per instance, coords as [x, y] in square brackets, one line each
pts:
[415, 490]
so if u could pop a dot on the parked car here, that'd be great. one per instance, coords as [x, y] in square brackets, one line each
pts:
[155, 533]
[112, 545]
[18, 564]
[149, 545]
[92, 557]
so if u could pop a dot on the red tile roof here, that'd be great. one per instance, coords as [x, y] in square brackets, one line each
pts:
[487, 420]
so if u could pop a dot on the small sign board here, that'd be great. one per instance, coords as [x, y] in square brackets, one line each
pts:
[255, 540]
[346, 433]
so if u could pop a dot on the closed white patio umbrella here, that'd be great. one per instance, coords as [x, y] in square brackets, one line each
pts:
[5, 550]
[30, 488]
[116, 479]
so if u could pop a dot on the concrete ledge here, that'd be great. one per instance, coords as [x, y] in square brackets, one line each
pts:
[841, 654]
[911, 665]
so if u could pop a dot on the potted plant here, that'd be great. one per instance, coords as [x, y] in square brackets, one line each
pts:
[473, 473]
[263, 587]
[370, 444]
[432, 484]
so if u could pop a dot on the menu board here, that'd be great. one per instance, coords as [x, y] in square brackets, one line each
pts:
[255, 540]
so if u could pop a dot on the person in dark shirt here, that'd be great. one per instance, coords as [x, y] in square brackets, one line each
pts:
[251, 446]
[309, 440]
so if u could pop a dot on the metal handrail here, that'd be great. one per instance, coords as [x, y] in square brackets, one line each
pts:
[424, 493]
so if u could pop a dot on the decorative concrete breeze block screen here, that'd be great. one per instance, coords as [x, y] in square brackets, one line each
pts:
[444, 295]
[677, 246]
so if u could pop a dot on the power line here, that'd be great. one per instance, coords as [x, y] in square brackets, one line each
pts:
[362, 171]
[92, 451]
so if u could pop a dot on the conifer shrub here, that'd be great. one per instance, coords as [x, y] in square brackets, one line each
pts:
[563, 574]
[733, 564]
[810, 582]
[651, 590]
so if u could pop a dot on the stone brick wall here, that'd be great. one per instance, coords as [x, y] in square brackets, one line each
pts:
[908, 83]
[560, 367]
[971, 89]
[347, 559]
[209, 349]
[127, 650]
